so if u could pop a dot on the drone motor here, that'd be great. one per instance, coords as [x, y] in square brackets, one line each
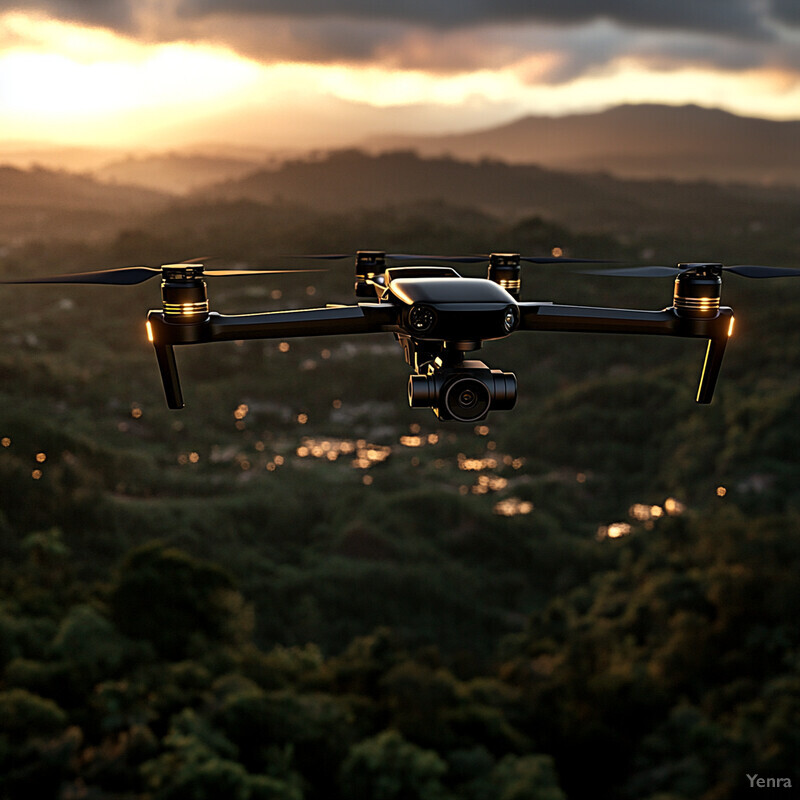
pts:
[369, 264]
[504, 269]
[697, 291]
[184, 297]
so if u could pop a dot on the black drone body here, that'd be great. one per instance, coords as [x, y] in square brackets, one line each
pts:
[438, 317]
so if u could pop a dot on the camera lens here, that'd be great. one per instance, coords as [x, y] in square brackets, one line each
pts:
[421, 318]
[467, 399]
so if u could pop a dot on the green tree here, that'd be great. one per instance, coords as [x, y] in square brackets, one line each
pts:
[387, 767]
[176, 602]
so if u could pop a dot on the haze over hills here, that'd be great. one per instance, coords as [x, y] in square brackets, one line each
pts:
[640, 141]
[175, 173]
[687, 142]
[352, 179]
[41, 202]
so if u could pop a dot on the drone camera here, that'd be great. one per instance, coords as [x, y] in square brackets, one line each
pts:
[421, 318]
[464, 394]
[697, 292]
[504, 269]
[183, 293]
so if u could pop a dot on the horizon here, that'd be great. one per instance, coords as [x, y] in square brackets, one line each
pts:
[227, 149]
[267, 74]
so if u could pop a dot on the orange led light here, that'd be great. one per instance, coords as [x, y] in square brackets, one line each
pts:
[730, 327]
[149, 332]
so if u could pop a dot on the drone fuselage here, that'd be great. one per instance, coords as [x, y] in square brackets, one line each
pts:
[453, 308]
[437, 316]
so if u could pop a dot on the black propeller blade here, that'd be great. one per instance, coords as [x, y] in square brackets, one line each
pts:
[745, 270]
[756, 271]
[125, 276]
[131, 276]
[485, 257]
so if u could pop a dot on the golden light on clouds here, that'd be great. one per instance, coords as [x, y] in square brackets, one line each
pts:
[68, 82]
[87, 80]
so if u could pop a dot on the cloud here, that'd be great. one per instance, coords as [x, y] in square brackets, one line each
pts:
[744, 17]
[117, 15]
[549, 41]
[786, 11]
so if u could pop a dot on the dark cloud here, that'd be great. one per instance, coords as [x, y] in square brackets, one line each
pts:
[786, 11]
[552, 41]
[116, 14]
[743, 17]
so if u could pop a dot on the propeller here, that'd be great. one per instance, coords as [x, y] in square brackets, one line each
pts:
[482, 258]
[745, 270]
[130, 276]
[139, 273]
[465, 259]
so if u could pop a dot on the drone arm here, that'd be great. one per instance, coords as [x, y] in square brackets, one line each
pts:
[165, 356]
[711, 367]
[363, 318]
[165, 333]
[590, 319]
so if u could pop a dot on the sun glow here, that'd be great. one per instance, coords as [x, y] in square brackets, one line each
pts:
[83, 79]
[67, 82]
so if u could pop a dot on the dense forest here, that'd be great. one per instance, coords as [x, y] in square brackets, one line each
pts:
[298, 588]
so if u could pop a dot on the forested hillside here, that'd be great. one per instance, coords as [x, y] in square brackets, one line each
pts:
[298, 587]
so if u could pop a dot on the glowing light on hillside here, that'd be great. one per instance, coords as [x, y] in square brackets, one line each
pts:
[674, 507]
[365, 455]
[512, 506]
[614, 531]
[643, 512]
[489, 483]
[476, 464]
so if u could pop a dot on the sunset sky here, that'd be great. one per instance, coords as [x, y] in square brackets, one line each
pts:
[313, 73]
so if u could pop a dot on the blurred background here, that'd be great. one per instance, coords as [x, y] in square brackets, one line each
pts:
[298, 587]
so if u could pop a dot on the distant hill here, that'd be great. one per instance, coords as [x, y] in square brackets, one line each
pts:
[73, 158]
[351, 179]
[38, 202]
[175, 173]
[686, 142]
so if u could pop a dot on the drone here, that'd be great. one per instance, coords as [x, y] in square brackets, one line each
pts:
[437, 315]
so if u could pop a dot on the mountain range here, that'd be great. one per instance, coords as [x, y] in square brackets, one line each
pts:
[351, 179]
[685, 142]
[630, 141]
